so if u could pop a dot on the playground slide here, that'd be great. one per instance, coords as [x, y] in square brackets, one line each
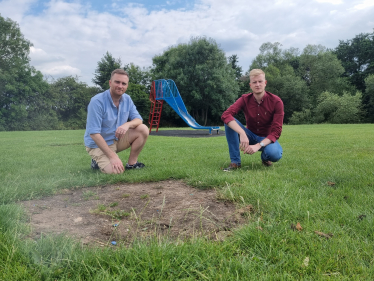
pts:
[167, 90]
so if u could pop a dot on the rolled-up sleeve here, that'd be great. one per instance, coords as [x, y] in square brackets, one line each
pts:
[94, 117]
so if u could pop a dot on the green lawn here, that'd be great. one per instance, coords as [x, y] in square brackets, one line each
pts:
[325, 181]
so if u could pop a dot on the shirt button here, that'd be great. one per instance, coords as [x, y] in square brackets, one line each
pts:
[258, 114]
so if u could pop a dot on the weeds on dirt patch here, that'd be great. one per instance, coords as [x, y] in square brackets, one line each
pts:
[117, 214]
[114, 214]
[90, 195]
[100, 208]
[144, 196]
[114, 204]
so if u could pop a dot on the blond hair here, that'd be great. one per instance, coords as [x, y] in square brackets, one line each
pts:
[255, 72]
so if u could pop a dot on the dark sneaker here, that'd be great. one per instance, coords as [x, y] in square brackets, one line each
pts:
[137, 165]
[267, 163]
[94, 165]
[233, 166]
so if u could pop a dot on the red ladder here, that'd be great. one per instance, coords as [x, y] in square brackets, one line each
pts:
[155, 110]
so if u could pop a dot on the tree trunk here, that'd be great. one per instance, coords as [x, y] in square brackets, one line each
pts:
[204, 115]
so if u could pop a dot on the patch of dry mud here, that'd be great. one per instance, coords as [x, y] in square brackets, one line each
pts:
[100, 215]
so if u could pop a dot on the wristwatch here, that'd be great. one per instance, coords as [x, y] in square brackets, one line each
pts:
[262, 144]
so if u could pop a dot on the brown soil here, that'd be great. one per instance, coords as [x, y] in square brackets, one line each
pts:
[121, 213]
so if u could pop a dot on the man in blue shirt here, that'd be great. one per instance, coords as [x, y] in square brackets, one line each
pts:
[113, 125]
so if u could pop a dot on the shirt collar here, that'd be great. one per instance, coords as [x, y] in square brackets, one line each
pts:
[263, 97]
[110, 98]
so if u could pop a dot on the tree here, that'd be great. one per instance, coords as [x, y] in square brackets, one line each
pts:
[138, 75]
[104, 69]
[24, 103]
[203, 76]
[301, 117]
[290, 88]
[336, 109]
[270, 54]
[322, 72]
[368, 98]
[233, 61]
[357, 58]
[242, 80]
[71, 99]
[139, 87]
[14, 48]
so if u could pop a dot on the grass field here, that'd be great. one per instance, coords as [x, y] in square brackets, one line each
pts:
[325, 181]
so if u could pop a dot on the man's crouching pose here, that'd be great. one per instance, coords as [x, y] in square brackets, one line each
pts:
[113, 125]
[264, 117]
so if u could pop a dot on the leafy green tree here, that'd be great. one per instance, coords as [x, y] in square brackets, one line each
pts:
[71, 99]
[14, 48]
[357, 57]
[270, 54]
[322, 72]
[138, 75]
[301, 117]
[368, 98]
[104, 69]
[24, 103]
[242, 80]
[140, 96]
[203, 76]
[233, 60]
[336, 109]
[290, 88]
[139, 87]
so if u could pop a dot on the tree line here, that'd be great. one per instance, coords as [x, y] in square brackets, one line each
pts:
[316, 84]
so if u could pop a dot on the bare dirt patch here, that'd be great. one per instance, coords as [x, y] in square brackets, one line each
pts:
[121, 213]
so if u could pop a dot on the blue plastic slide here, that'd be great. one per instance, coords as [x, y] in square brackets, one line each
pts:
[167, 90]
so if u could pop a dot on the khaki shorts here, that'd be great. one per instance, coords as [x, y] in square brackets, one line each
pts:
[101, 159]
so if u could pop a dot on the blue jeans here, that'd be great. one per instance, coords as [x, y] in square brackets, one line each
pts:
[272, 152]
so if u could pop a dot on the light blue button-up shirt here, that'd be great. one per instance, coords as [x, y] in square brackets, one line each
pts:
[103, 117]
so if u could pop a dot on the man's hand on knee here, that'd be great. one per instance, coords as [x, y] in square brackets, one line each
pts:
[251, 149]
[116, 165]
[122, 130]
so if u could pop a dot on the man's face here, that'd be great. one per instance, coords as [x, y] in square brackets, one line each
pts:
[257, 83]
[118, 84]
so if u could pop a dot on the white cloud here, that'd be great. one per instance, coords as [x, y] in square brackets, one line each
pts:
[334, 2]
[363, 5]
[15, 9]
[62, 70]
[70, 38]
[39, 56]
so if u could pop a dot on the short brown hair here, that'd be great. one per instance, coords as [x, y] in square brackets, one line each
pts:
[255, 72]
[119, 71]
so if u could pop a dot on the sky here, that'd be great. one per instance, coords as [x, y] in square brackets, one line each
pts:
[71, 36]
